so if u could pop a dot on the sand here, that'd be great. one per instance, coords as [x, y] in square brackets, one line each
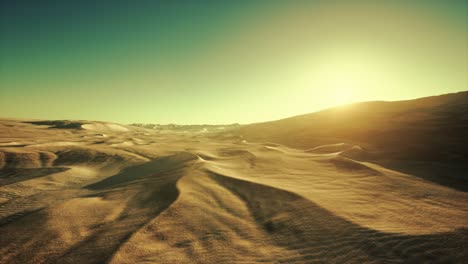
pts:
[71, 195]
[423, 137]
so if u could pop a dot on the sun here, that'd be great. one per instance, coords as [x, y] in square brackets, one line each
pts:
[344, 81]
[342, 77]
[340, 89]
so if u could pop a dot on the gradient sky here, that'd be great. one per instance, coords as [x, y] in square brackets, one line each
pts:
[223, 61]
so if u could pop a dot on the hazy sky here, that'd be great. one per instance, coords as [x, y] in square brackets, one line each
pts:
[223, 61]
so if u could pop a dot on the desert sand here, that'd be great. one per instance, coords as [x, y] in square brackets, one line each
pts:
[98, 192]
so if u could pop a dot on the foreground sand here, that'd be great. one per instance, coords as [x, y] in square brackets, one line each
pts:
[108, 193]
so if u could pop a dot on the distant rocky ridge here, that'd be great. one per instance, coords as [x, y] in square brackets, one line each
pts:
[188, 128]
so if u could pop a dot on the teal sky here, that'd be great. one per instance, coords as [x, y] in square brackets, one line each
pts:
[223, 61]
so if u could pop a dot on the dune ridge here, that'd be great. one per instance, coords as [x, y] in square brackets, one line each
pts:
[422, 137]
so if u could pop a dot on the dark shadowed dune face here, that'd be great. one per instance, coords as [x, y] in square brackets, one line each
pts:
[335, 186]
[58, 124]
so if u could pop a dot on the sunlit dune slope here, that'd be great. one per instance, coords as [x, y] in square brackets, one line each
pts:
[425, 136]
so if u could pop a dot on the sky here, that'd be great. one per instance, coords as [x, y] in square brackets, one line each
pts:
[218, 62]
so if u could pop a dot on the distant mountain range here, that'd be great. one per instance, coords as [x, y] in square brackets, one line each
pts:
[187, 128]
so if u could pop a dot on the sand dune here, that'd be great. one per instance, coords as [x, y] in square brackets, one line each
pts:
[137, 195]
[422, 137]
